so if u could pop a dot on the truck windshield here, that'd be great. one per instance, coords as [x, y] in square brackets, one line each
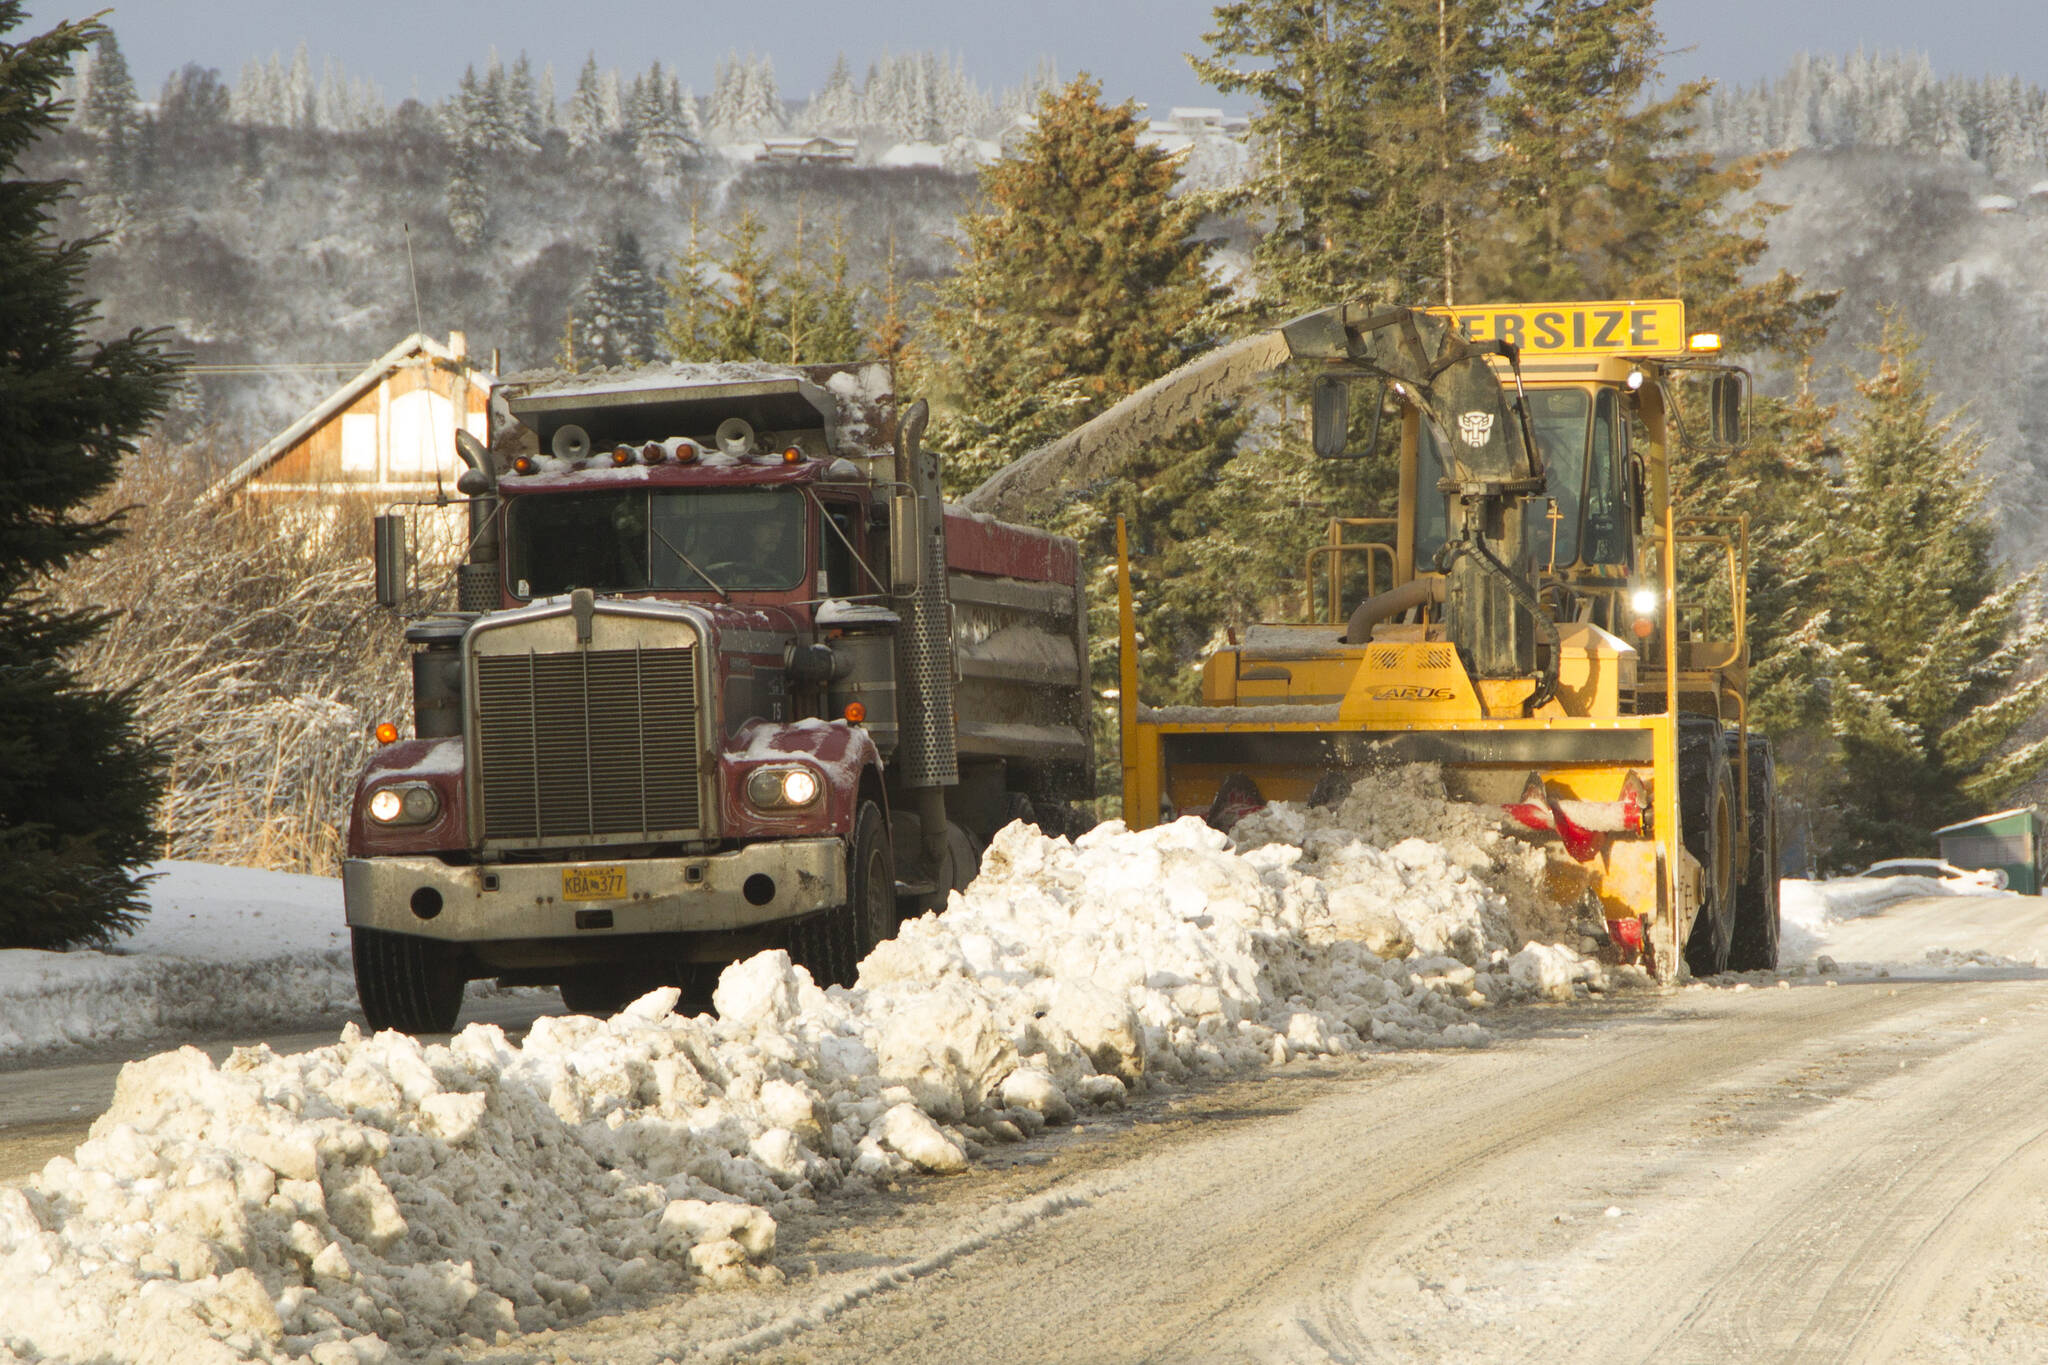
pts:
[634, 540]
[1558, 418]
[1584, 468]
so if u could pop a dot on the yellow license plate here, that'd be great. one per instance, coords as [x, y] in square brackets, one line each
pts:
[593, 883]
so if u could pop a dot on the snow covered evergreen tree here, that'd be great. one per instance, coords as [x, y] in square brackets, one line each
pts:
[468, 200]
[109, 108]
[586, 124]
[836, 107]
[618, 316]
[78, 785]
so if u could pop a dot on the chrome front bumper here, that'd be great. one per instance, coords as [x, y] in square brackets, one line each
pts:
[426, 897]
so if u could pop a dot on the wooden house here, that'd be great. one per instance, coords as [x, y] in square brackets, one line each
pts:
[387, 435]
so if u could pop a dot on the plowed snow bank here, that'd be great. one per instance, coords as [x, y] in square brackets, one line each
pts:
[381, 1195]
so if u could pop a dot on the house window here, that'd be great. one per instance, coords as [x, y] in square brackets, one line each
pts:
[359, 443]
[422, 432]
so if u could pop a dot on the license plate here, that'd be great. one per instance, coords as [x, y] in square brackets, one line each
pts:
[593, 883]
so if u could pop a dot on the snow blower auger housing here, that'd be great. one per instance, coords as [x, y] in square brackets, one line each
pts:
[1538, 618]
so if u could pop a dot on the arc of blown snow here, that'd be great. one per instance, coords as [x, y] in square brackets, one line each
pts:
[1030, 484]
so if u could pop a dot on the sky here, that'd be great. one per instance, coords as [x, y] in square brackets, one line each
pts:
[1134, 46]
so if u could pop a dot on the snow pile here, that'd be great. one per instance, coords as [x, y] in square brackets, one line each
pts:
[222, 947]
[383, 1195]
[1805, 908]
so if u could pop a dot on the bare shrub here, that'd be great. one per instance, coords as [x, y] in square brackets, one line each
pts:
[257, 655]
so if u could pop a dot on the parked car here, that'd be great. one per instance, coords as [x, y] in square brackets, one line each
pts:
[1991, 878]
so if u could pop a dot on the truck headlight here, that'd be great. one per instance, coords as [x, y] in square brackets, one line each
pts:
[1643, 601]
[406, 803]
[783, 787]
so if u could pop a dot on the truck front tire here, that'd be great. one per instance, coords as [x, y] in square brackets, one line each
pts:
[831, 944]
[410, 984]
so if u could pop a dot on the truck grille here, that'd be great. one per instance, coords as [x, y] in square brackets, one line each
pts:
[599, 742]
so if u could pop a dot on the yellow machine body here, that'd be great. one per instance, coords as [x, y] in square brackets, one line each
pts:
[1287, 704]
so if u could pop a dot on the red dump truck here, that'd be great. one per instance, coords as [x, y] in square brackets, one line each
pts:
[727, 674]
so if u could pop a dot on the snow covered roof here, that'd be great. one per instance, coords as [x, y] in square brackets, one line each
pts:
[913, 154]
[2037, 190]
[1983, 819]
[1996, 203]
[416, 347]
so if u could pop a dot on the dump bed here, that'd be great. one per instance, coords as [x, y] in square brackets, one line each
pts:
[1020, 637]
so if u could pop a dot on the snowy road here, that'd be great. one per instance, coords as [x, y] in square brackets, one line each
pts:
[1831, 1167]
[1820, 1172]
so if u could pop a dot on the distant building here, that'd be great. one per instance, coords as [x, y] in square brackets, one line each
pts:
[807, 150]
[388, 434]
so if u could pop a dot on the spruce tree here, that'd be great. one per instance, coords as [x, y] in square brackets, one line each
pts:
[77, 783]
[1367, 136]
[743, 322]
[1929, 638]
[1079, 284]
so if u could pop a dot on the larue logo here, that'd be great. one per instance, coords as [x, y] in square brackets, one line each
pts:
[1474, 428]
[1414, 694]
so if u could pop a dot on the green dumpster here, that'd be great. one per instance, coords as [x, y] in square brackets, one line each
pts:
[2011, 840]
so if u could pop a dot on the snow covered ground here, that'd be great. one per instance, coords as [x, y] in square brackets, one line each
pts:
[223, 947]
[384, 1196]
[1839, 926]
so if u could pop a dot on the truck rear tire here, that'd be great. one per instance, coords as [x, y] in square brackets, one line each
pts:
[1755, 944]
[410, 984]
[831, 944]
[1707, 812]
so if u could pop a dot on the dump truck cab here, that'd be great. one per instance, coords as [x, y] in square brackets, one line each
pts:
[725, 674]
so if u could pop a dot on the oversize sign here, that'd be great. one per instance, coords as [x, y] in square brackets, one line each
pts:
[1644, 327]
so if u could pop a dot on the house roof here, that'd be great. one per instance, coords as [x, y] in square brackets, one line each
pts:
[413, 347]
[1984, 819]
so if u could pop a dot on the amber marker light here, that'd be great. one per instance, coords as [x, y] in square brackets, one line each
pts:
[523, 464]
[1705, 341]
[653, 453]
[622, 456]
[856, 712]
[792, 456]
[387, 733]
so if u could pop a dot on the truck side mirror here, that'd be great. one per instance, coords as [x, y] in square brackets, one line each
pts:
[1728, 403]
[1330, 418]
[387, 552]
[1330, 426]
[906, 543]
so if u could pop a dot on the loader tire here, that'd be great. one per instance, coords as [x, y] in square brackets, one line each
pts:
[1707, 814]
[830, 944]
[1755, 945]
[410, 984]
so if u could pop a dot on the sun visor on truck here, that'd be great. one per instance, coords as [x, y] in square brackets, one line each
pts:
[653, 406]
